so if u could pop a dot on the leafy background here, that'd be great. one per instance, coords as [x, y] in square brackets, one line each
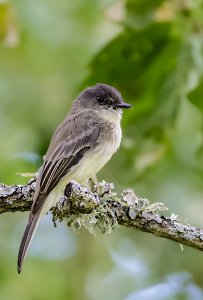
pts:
[152, 51]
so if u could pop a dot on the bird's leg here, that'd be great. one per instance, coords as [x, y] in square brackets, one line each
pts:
[64, 203]
[68, 190]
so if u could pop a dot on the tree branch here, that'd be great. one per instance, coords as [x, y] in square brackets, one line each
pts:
[103, 208]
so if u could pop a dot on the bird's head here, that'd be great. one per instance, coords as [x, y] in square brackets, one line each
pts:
[102, 97]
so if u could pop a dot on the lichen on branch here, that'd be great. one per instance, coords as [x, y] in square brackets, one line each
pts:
[105, 209]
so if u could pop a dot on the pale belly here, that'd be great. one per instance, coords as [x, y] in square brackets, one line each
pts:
[90, 164]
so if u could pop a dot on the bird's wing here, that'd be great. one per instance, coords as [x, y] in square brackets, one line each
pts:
[69, 144]
[73, 138]
[67, 152]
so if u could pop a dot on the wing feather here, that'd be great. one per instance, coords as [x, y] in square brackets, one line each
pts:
[68, 152]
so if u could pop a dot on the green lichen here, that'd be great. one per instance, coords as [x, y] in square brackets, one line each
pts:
[102, 217]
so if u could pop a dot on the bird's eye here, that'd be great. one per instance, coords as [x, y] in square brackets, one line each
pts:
[100, 99]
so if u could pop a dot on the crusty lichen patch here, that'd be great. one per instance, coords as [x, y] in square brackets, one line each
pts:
[102, 207]
[99, 215]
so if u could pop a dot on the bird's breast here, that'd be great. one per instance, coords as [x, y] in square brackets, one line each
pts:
[95, 159]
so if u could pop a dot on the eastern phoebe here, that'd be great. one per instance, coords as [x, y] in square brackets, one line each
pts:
[82, 144]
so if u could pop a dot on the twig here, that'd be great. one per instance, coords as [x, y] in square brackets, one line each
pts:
[103, 207]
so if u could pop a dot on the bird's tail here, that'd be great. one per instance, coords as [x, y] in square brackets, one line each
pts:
[28, 235]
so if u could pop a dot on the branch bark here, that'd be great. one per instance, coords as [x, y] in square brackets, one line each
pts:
[105, 209]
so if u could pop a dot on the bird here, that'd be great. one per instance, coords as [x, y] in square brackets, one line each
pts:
[80, 146]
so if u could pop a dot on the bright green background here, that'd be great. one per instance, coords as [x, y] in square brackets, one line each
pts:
[152, 51]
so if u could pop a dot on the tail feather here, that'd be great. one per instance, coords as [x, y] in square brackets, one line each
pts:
[27, 237]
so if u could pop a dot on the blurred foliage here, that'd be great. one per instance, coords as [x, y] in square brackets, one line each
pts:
[152, 51]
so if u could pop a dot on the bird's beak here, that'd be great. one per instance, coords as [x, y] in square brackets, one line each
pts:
[122, 105]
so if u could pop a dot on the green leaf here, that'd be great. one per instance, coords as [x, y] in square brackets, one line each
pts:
[141, 64]
[142, 6]
[196, 96]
